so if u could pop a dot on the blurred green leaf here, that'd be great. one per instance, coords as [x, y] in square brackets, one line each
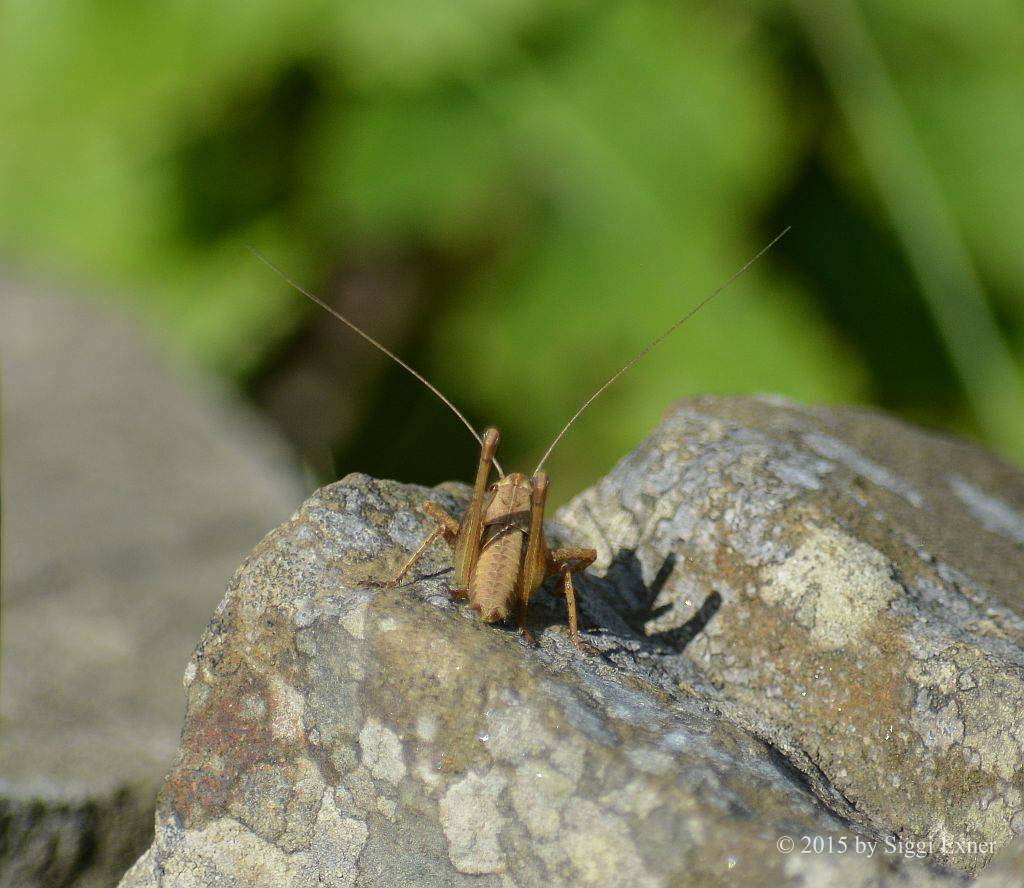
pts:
[572, 175]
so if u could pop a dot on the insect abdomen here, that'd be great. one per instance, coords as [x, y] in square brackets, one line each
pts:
[493, 584]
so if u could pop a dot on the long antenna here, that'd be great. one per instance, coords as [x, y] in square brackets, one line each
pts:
[355, 328]
[658, 341]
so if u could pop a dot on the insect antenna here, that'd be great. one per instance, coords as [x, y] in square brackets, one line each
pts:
[658, 341]
[357, 329]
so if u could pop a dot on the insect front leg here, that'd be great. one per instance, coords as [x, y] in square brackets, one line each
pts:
[447, 527]
[566, 562]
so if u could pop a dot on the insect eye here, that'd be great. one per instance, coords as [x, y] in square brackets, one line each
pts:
[493, 487]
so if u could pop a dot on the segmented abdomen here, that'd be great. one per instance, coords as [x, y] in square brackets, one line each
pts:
[493, 585]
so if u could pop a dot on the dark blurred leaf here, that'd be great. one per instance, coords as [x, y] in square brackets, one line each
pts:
[574, 176]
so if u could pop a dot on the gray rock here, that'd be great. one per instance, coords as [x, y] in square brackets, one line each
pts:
[865, 580]
[806, 624]
[130, 493]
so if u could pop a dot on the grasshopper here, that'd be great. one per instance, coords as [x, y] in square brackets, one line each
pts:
[500, 555]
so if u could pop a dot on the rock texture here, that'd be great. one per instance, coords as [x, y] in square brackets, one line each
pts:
[129, 497]
[806, 625]
[868, 583]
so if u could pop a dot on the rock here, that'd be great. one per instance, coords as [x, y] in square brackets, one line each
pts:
[847, 588]
[1005, 868]
[806, 626]
[130, 495]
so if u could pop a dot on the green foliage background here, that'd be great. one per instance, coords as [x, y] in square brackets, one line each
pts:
[567, 177]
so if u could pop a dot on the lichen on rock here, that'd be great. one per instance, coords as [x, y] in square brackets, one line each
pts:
[800, 629]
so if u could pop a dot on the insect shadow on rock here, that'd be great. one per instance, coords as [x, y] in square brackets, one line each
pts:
[626, 604]
[500, 555]
[676, 639]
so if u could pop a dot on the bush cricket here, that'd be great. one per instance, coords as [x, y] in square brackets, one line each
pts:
[500, 555]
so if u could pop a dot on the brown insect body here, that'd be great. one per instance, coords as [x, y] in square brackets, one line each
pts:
[500, 556]
[502, 548]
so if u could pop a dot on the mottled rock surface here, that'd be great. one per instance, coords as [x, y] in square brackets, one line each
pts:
[806, 623]
[130, 493]
[867, 587]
